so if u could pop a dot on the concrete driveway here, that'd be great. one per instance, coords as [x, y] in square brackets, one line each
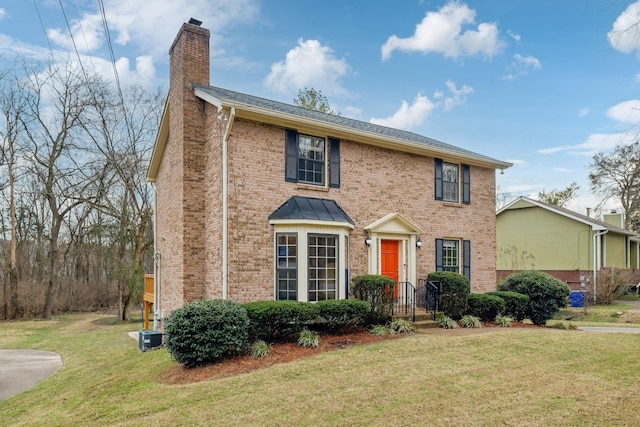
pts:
[22, 369]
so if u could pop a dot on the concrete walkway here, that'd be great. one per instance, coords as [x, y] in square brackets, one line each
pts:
[22, 369]
[609, 329]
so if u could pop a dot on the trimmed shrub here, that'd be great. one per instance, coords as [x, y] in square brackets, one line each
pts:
[455, 291]
[515, 304]
[485, 306]
[206, 331]
[377, 290]
[546, 293]
[334, 315]
[279, 320]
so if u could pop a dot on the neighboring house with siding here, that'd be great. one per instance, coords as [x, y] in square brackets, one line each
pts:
[260, 200]
[568, 245]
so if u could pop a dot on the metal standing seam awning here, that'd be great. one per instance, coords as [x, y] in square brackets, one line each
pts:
[311, 209]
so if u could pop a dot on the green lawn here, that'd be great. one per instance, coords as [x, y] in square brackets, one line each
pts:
[506, 377]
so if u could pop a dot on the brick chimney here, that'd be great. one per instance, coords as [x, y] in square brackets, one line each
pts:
[189, 64]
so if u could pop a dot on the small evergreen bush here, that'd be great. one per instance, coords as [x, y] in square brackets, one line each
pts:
[469, 321]
[515, 304]
[334, 315]
[546, 293]
[279, 320]
[377, 290]
[455, 291]
[206, 331]
[485, 306]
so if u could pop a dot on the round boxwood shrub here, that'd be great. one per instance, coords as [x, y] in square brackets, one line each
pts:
[206, 331]
[515, 304]
[546, 293]
[455, 291]
[485, 306]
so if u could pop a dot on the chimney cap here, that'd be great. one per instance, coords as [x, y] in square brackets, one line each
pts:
[195, 22]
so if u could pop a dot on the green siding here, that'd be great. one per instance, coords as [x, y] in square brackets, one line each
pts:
[530, 237]
[615, 247]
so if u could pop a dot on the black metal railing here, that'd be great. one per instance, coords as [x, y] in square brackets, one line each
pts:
[433, 291]
[405, 303]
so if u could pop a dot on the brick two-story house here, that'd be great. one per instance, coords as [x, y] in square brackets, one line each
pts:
[259, 200]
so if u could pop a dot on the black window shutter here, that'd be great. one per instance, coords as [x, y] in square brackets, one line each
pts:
[439, 249]
[466, 258]
[291, 156]
[466, 184]
[334, 163]
[437, 166]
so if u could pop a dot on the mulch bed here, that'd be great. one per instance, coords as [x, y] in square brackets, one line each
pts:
[287, 352]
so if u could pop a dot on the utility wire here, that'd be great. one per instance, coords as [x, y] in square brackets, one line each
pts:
[35, 4]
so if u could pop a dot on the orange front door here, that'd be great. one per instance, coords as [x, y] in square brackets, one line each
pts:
[389, 261]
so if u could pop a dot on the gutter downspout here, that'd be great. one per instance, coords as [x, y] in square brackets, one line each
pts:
[595, 262]
[225, 204]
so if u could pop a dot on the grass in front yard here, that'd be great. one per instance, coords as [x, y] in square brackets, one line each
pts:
[511, 377]
[617, 315]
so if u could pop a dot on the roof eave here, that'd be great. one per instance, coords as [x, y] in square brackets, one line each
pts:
[159, 145]
[253, 112]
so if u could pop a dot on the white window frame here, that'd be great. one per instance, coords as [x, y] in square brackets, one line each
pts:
[304, 229]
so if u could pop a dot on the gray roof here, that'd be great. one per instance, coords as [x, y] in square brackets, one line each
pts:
[310, 208]
[345, 122]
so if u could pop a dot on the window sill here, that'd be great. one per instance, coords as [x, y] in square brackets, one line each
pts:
[313, 187]
[452, 204]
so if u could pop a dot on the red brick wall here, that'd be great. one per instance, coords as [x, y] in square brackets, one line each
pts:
[374, 182]
[179, 184]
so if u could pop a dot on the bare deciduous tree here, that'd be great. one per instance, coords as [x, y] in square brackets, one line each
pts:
[617, 176]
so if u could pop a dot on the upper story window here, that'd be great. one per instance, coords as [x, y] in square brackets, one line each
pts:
[452, 180]
[312, 159]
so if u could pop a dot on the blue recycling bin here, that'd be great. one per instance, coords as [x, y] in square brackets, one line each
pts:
[576, 298]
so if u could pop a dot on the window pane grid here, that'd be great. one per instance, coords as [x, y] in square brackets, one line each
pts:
[322, 268]
[450, 187]
[287, 267]
[450, 255]
[311, 159]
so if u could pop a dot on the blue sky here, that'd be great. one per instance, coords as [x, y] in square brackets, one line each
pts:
[543, 84]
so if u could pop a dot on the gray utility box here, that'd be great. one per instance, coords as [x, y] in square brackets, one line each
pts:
[149, 339]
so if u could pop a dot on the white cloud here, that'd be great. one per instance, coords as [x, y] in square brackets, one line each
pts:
[626, 112]
[458, 96]
[3, 13]
[351, 111]
[145, 26]
[513, 35]
[408, 115]
[520, 66]
[583, 112]
[442, 32]
[563, 170]
[309, 64]
[624, 34]
[595, 143]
